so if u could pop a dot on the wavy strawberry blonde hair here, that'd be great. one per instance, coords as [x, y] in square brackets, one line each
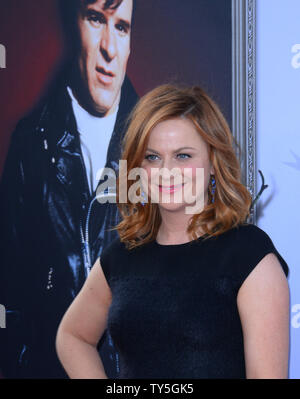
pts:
[231, 206]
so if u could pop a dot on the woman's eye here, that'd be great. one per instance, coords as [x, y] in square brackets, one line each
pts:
[150, 157]
[184, 156]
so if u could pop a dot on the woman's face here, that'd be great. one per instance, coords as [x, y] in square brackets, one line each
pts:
[176, 144]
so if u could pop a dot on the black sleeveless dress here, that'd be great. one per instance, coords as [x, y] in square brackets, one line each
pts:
[174, 307]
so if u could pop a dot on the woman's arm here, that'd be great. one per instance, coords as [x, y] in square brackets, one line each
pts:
[263, 304]
[82, 327]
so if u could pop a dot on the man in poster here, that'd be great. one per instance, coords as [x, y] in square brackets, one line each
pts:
[52, 227]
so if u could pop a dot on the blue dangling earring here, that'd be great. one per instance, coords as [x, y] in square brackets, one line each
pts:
[213, 188]
[144, 196]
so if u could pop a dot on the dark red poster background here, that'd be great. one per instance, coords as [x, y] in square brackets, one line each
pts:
[30, 32]
[172, 40]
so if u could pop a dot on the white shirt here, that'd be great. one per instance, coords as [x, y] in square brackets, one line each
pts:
[95, 134]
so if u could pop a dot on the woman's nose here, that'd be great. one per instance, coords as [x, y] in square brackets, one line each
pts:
[170, 171]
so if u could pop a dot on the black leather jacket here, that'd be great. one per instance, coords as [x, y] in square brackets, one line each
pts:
[45, 201]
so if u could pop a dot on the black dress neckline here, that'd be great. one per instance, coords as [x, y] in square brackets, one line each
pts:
[201, 238]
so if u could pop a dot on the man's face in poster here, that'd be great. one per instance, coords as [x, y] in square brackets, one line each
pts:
[104, 28]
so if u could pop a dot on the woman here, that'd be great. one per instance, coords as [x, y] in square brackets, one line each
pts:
[196, 294]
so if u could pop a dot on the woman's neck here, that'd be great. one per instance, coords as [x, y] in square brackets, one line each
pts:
[173, 228]
[174, 224]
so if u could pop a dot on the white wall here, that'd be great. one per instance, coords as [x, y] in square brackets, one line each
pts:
[278, 141]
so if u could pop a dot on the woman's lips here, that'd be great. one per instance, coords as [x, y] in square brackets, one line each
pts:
[170, 189]
[104, 77]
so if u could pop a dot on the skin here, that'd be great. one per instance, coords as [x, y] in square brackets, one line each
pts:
[263, 304]
[175, 143]
[262, 300]
[105, 48]
[82, 327]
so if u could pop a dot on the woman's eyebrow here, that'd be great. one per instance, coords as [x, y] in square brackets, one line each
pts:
[178, 149]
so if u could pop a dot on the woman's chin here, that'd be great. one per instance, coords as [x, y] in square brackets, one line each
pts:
[172, 206]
